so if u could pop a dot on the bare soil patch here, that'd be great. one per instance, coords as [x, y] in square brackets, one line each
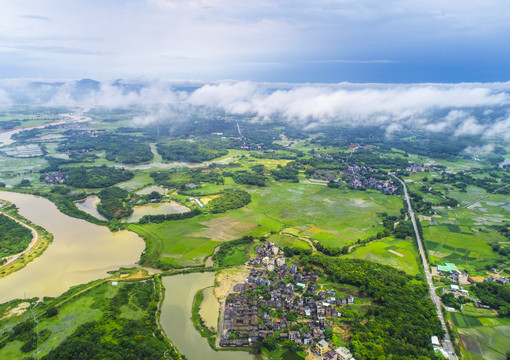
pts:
[226, 280]
[396, 253]
[18, 310]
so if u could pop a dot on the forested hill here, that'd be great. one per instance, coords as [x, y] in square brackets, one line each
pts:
[403, 318]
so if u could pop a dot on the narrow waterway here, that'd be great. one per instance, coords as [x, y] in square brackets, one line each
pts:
[176, 318]
[80, 251]
[210, 309]
[89, 205]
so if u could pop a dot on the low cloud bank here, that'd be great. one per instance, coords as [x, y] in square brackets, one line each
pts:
[458, 109]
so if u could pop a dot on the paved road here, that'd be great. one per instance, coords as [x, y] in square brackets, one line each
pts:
[447, 343]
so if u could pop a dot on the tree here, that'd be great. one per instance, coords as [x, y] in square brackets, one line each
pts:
[155, 196]
[25, 183]
[328, 333]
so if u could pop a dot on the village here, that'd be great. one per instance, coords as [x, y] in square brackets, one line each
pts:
[283, 302]
[451, 272]
[358, 178]
[361, 178]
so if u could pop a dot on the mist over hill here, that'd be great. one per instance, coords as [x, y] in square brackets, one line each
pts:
[479, 109]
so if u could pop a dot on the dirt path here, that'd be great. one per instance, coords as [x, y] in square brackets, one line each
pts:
[309, 243]
[300, 238]
[484, 197]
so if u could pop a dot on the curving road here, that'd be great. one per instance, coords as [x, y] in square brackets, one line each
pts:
[447, 343]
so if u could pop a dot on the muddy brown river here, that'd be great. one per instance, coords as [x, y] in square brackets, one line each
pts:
[176, 318]
[80, 251]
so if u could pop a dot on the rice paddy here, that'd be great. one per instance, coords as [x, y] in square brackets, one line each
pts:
[482, 334]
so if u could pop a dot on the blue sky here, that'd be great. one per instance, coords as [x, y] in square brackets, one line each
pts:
[329, 41]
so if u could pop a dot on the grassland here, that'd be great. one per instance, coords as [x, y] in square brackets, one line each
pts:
[331, 216]
[107, 309]
[334, 217]
[289, 241]
[399, 253]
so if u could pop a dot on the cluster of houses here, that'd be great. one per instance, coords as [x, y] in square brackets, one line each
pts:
[277, 297]
[503, 280]
[450, 270]
[58, 177]
[325, 175]
[326, 352]
[360, 179]
[413, 168]
[462, 277]
[356, 146]
[92, 133]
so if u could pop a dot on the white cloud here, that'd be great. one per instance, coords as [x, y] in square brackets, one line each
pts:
[459, 109]
[469, 127]
[5, 99]
[478, 150]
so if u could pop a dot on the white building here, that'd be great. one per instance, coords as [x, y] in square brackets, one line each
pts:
[343, 353]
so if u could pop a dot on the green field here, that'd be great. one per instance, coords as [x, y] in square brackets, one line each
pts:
[462, 234]
[379, 251]
[113, 311]
[289, 241]
[458, 236]
[335, 217]
[331, 216]
[174, 243]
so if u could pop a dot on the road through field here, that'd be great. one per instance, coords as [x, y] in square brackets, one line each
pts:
[447, 343]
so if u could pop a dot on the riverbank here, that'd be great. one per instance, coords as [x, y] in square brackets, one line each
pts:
[41, 239]
[80, 252]
[199, 323]
[94, 319]
[176, 317]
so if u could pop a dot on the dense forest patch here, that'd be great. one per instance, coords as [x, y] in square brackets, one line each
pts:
[403, 318]
[97, 177]
[124, 149]
[190, 151]
[230, 199]
[113, 203]
[14, 238]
